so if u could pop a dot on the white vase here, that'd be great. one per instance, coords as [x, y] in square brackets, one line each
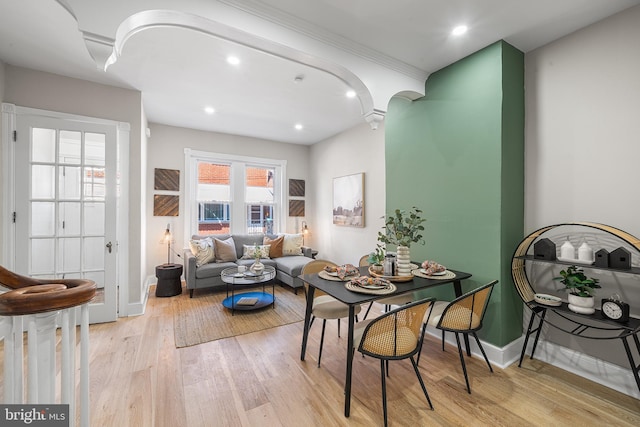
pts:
[582, 305]
[403, 262]
[257, 267]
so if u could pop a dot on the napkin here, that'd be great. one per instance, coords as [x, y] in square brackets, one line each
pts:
[347, 270]
[366, 281]
[432, 267]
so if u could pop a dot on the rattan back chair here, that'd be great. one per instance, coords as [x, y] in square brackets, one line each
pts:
[387, 302]
[325, 306]
[395, 335]
[463, 315]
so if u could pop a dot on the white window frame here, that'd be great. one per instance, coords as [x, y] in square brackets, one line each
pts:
[238, 205]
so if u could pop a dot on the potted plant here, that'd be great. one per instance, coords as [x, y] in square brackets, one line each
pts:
[257, 267]
[376, 258]
[580, 289]
[401, 229]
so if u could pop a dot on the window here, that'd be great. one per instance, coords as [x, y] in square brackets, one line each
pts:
[233, 194]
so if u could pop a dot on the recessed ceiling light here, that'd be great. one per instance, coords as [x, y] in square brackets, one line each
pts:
[459, 30]
[351, 94]
[209, 110]
[298, 126]
[233, 60]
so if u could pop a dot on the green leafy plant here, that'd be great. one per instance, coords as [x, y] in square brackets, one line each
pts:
[377, 256]
[403, 228]
[574, 279]
[257, 252]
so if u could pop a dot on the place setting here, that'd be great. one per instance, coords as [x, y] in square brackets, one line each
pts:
[370, 285]
[433, 270]
[342, 273]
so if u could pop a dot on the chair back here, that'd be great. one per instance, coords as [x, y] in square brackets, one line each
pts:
[396, 334]
[364, 261]
[466, 312]
[315, 266]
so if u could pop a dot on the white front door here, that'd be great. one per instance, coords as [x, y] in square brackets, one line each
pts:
[65, 204]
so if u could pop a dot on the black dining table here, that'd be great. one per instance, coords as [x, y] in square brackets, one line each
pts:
[353, 299]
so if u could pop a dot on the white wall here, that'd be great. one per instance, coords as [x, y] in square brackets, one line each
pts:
[166, 151]
[360, 149]
[581, 147]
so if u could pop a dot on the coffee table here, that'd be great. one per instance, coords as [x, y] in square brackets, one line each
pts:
[248, 300]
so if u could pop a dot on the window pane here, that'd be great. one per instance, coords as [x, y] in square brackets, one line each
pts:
[42, 182]
[94, 218]
[43, 145]
[214, 198]
[69, 254]
[43, 258]
[94, 184]
[260, 219]
[93, 253]
[43, 217]
[94, 149]
[259, 185]
[70, 182]
[70, 147]
[69, 219]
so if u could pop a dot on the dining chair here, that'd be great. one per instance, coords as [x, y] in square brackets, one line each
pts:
[387, 302]
[462, 315]
[394, 335]
[325, 307]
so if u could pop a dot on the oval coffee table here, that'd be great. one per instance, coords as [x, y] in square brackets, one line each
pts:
[248, 300]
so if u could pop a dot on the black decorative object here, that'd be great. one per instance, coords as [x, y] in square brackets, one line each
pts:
[620, 258]
[544, 249]
[602, 258]
[615, 309]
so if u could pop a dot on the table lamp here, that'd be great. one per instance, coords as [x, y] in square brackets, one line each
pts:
[305, 231]
[167, 238]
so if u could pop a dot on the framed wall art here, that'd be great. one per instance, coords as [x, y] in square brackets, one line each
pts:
[348, 200]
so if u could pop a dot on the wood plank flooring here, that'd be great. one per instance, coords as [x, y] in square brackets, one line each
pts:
[139, 378]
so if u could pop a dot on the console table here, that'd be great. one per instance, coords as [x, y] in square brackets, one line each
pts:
[593, 326]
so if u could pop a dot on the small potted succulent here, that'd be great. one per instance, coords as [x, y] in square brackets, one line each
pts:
[376, 258]
[580, 289]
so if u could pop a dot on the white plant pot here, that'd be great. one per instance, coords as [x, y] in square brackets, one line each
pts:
[257, 267]
[581, 305]
[403, 261]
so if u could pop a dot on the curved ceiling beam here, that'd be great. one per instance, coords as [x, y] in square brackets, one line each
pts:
[106, 51]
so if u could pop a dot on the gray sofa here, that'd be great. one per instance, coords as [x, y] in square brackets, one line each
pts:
[288, 268]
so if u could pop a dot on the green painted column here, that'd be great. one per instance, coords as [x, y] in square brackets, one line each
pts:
[458, 154]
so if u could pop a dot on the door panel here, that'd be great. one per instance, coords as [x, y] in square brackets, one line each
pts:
[65, 191]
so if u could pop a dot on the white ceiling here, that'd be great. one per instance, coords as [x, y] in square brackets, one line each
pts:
[179, 70]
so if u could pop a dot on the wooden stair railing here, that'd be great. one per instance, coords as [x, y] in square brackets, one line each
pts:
[44, 304]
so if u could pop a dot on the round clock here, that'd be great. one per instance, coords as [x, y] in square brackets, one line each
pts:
[614, 309]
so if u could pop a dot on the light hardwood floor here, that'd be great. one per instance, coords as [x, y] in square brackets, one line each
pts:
[139, 378]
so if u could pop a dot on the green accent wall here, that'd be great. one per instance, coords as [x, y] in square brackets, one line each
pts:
[458, 154]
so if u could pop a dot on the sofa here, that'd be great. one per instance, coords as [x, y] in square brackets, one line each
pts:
[207, 274]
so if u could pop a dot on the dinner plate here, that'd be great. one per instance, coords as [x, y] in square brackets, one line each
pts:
[374, 286]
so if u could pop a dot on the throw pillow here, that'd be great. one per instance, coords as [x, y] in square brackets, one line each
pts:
[202, 249]
[249, 251]
[275, 250]
[225, 250]
[292, 244]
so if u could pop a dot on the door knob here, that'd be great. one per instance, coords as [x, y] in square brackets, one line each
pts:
[109, 245]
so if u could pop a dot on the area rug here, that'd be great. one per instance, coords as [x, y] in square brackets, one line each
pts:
[203, 318]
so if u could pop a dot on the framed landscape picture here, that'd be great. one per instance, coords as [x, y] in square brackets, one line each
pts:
[348, 200]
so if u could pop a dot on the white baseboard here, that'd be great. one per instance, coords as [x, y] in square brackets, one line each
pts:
[138, 308]
[591, 368]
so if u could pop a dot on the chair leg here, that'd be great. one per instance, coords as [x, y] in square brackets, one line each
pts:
[464, 366]
[324, 323]
[387, 366]
[424, 388]
[384, 391]
[443, 340]
[338, 328]
[482, 350]
[367, 313]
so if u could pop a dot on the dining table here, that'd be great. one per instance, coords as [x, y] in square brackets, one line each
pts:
[338, 291]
